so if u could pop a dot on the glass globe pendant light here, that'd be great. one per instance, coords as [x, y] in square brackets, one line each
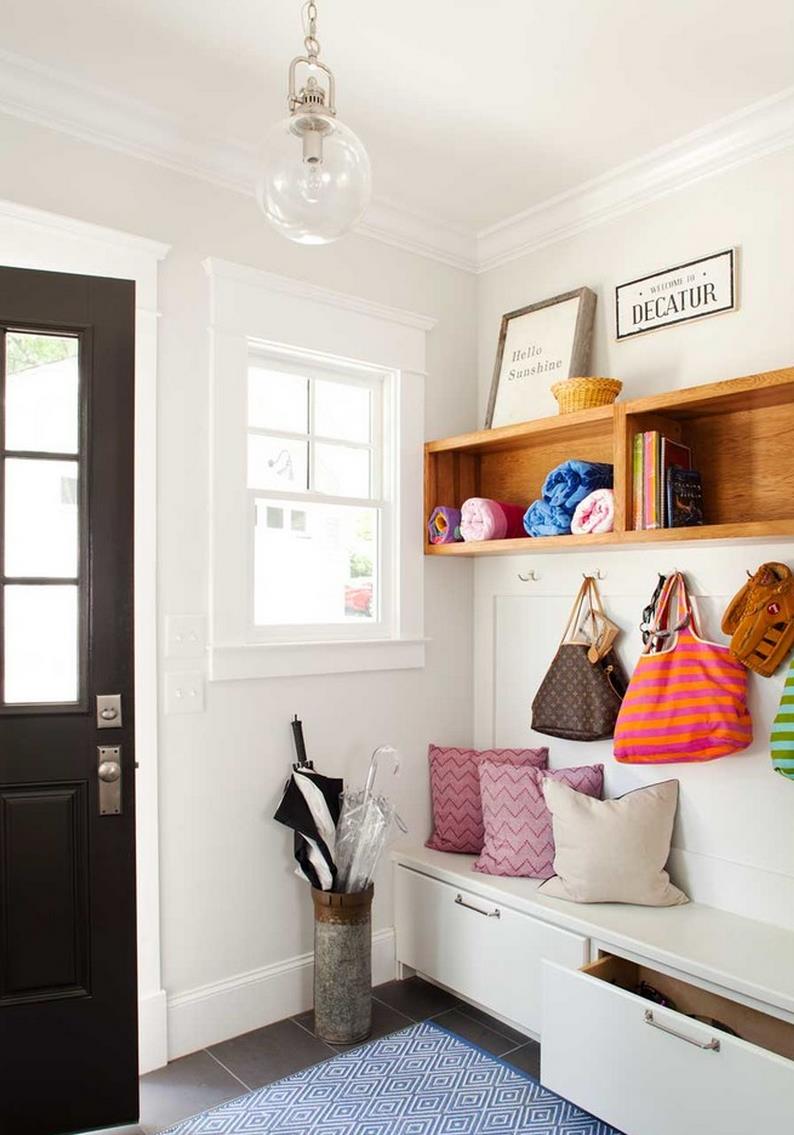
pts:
[315, 180]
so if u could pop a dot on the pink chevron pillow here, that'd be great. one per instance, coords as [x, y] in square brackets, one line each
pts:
[455, 792]
[519, 838]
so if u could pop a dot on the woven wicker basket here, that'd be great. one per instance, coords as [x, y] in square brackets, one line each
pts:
[585, 393]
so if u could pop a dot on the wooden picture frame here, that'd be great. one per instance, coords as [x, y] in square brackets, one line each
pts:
[550, 341]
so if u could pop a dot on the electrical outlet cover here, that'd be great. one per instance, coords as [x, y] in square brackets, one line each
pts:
[184, 692]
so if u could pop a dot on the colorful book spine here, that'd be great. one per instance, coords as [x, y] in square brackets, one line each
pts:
[672, 453]
[638, 486]
[651, 495]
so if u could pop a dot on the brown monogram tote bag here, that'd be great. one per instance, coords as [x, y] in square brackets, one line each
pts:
[580, 696]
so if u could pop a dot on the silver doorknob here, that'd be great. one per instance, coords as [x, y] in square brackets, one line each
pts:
[109, 771]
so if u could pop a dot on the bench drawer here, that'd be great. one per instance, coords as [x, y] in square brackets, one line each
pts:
[653, 1070]
[482, 950]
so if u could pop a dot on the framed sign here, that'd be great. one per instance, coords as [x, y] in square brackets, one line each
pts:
[538, 346]
[677, 295]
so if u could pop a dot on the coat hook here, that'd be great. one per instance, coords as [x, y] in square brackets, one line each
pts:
[597, 574]
[531, 575]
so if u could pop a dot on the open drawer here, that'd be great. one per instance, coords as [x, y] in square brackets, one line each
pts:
[655, 1069]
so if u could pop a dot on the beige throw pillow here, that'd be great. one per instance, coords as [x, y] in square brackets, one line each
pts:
[613, 850]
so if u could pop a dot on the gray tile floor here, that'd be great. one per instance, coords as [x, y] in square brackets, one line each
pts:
[204, 1079]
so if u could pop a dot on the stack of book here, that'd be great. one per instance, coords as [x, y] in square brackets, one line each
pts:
[667, 490]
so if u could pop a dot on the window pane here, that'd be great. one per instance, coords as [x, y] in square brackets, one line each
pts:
[41, 644]
[342, 411]
[277, 401]
[340, 471]
[42, 393]
[41, 518]
[324, 572]
[275, 463]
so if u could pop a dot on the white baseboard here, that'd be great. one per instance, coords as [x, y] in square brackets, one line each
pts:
[152, 1032]
[217, 1012]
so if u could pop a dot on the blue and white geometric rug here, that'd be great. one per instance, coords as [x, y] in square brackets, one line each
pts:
[420, 1081]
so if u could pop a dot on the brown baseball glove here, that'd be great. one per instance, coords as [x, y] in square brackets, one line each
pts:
[760, 618]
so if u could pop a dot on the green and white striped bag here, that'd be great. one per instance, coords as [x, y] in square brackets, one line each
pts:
[782, 741]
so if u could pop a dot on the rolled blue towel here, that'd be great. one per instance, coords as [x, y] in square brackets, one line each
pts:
[572, 481]
[543, 519]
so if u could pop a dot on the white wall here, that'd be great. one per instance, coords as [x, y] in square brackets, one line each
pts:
[735, 836]
[236, 924]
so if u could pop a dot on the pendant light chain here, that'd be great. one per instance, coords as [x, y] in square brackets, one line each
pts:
[311, 41]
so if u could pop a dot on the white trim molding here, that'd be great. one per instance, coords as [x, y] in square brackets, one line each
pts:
[32, 238]
[54, 99]
[751, 133]
[289, 316]
[225, 1009]
[286, 285]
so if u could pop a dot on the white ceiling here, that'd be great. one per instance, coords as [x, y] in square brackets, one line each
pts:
[472, 111]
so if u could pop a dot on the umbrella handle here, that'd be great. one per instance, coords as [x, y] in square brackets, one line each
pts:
[373, 766]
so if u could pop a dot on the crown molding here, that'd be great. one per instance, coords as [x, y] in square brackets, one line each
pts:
[757, 130]
[50, 98]
[423, 236]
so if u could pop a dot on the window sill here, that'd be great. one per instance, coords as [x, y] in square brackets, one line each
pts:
[230, 661]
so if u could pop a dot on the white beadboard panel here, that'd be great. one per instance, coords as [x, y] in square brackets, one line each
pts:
[730, 846]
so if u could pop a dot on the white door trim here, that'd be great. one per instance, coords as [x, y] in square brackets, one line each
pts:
[31, 238]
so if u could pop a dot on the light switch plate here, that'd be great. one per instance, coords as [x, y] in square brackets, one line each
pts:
[185, 636]
[184, 692]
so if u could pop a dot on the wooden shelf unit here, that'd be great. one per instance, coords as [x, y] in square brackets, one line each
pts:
[741, 433]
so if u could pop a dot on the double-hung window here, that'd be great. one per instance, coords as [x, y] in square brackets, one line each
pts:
[316, 434]
[318, 448]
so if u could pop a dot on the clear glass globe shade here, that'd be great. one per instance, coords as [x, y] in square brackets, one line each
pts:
[317, 201]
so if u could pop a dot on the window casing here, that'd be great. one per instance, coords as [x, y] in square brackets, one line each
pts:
[261, 320]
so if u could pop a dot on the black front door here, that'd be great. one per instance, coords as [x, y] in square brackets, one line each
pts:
[68, 987]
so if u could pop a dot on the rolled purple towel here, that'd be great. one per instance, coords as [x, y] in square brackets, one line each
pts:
[443, 527]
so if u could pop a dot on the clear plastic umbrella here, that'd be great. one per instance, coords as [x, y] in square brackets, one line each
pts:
[364, 825]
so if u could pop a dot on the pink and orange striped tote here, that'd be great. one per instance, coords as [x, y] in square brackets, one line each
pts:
[687, 698]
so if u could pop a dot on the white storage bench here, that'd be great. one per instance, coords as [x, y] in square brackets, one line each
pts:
[567, 973]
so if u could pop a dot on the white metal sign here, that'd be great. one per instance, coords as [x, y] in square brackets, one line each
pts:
[676, 295]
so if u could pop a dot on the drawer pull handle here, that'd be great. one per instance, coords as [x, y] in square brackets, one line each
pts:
[495, 913]
[712, 1046]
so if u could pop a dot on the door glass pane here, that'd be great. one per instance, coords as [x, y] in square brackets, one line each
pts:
[341, 471]
[321, 566]
[41, 644]
[277, 463]
[42, 392]
[277, 401]
[342, 411]
[41, 518]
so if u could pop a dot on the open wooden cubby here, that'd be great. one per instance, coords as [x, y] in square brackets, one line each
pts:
[741, 433]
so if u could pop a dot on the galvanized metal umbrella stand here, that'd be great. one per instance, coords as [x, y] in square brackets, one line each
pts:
[343, 965]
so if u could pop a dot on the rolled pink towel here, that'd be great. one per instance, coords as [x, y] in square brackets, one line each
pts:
[596, 513]
[483, 519]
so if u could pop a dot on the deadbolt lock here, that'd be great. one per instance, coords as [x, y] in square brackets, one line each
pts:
[108, 711]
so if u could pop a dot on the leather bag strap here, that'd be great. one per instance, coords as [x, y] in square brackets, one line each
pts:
[575, 615]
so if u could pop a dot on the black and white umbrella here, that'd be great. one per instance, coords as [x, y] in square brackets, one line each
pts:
[310, 806]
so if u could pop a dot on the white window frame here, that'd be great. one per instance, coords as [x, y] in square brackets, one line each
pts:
[254, 311]
[381, 384]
